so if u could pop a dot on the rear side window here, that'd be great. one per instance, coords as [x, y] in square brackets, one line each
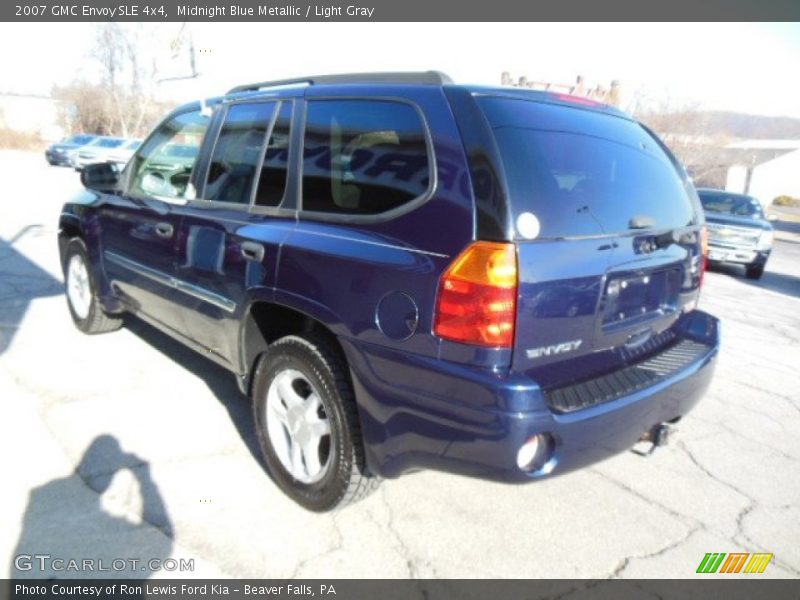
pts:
[272, 182]
[237, 152]
[363, 157]
[586, 173]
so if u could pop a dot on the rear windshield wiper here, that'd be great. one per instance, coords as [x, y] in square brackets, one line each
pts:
[662, 240]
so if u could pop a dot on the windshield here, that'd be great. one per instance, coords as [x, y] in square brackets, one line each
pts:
[585, 173]
[79, 139]
[731, 204]
[107, 143]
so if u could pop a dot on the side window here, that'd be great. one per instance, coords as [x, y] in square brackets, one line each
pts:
[237, 151]
[363, 157]
[272, 182]
[163, 165]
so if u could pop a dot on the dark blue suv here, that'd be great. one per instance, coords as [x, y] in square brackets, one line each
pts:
[404, 273]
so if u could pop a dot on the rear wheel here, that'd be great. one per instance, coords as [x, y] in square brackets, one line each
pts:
[307, 423]
[87, 314]
[754, 271]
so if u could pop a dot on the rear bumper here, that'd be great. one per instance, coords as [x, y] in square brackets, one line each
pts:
[419, 412]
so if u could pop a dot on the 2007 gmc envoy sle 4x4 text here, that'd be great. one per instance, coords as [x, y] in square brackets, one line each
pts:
[406, 273]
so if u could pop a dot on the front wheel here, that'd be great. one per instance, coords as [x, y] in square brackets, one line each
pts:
[307, 423]
[87, 314]
[754, 271]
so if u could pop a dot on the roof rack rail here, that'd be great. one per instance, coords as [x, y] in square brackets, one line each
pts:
[420, 77]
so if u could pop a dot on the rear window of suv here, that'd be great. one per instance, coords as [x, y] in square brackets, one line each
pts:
[585, 173]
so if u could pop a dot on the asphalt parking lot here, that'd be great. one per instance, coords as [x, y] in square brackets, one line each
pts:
[128, 445]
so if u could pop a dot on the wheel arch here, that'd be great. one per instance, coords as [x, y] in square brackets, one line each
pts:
[266, 321]
[69, 227]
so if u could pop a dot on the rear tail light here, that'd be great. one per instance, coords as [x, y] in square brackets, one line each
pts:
[477, 301]
[704, 252]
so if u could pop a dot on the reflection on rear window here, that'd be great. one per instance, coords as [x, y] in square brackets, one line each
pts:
[585, 173]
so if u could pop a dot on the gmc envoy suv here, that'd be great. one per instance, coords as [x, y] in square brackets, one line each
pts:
[404, 273]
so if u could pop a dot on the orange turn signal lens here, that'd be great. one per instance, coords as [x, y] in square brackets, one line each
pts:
[477, 299]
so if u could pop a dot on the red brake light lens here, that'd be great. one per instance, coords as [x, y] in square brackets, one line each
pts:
[477, 301]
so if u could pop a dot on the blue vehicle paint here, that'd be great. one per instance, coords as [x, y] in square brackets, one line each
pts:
[604, 287]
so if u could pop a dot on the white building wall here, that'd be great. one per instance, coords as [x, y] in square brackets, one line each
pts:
[778, 177]
[737, 179]
[32, 114]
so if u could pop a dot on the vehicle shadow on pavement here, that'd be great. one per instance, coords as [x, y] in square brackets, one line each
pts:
[776, 282]
[21, 281]
[219, 380]
[65, 520]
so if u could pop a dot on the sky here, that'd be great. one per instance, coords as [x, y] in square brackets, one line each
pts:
[735, 66]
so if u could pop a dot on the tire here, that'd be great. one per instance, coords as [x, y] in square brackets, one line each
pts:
[286, 379]
[85, 309]
[754, 271]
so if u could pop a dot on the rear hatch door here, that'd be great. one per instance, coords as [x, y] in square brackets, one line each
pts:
[607, 230]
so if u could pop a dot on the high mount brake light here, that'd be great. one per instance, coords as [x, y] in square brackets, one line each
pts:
[577, 100]
[477, 301]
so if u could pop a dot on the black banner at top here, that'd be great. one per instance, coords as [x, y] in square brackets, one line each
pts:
[399, 10]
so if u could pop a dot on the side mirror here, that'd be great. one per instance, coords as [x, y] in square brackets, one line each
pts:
[100, 177]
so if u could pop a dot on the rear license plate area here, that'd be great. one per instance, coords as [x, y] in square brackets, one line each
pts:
[635, 297]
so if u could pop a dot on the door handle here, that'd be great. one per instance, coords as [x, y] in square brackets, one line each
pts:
[164, 230]
[252, 251]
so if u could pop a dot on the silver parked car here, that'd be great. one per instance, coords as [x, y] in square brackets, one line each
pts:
[96, 151]
[123, 154]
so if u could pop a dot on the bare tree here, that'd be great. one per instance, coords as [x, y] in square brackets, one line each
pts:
[84, 107]
[684, 128]
[124, 100]
[128, 80]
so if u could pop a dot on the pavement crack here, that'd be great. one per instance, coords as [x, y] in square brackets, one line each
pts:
[413, 566]
[759, 443]
[669, 510]
[625, 562]
[763, 390]
[337, 545]
[739, 536]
